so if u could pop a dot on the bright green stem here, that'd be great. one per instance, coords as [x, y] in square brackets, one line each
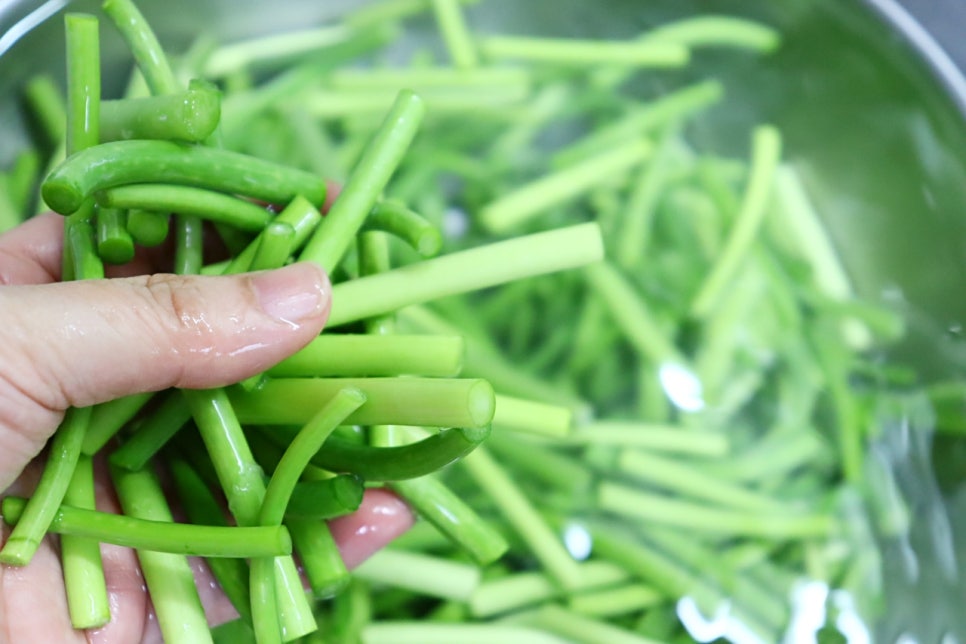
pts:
[553, 618]
[716, 31]
[584, 53]
[153, 433]
[144, 45]
[109, 165]
[484, 361]
[392, 463]
[765, 157]
[428, 79]
[633, 238]
[300, 214]
[274, 246]
[188, 244]
[297, 455]
[632, 315]
[520, 512]
[169, 577]
[47, 105]
[423, 574]
[612, 602]
[668, 108]
[65, 450]
[185, 200]
[521, 589]
[366, 183]
[80, 240]
[83, 81]
[431, 402]
[645, 506]
[147, 228]
[114, 242]
[423, 632]
[243, 485]
[395, 218]
[526, 202]
[238, 56]
[319, 556]
[159, 534]
[532, 417]
[264, 607]
[81, 560]
[561, 471]
[202, 508]
[452, 26]
[374, 355]
[108, 418]
[187, 116]
[465, 271]
[690, 480]
[325, 498]
[651, 436]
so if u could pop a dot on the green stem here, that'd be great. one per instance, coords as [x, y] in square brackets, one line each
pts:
[394, 217]
[108, 418]
[613, 602]
[275, 244]
[521, 589]
[243, 485]
[465, 271]
[169, 577]
[264, 606]
[524, 203]
[423, 574]
[581, 52]
[201, 507]
[65, 450]
[153, 433]
[300, 214]
[546, 546]
[144, 45]
[765, 157]
[47, 105]
[452, 26]
[307, 442]
[148, 228]
[632, 315]
[188, 245]
[325, 498]
[159, 534]
[637, 504]
[374, 355]
[392, 463]
[320, 557]
[187, 116]
[123, 162]
[532, 417]
[652, 436]
[84, 580]
[385, 151]
[431, 402]
[186, 200]
[114, 241]
[643, 119]
[716, 31]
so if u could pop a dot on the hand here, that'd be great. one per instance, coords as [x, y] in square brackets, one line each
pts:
[85, 342]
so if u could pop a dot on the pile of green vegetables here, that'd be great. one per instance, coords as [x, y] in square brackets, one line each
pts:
[623, 382]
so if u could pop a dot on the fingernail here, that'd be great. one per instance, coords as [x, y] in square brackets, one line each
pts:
[293, 294]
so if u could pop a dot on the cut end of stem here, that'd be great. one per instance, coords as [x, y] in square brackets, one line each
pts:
[481, 403]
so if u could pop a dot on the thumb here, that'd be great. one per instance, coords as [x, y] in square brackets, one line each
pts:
[80, 343]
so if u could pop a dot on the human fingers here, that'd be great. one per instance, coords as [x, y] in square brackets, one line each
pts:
[81, 343]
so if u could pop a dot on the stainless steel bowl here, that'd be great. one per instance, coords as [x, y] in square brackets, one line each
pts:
[869, 98]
